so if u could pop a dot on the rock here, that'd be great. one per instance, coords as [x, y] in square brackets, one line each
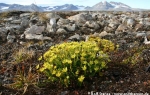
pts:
[34, 30]
[95, 16]
[95, 34]
[109, 29]
[11, 35]
[148, 35]
[8, 19]
[34, 36]
[16, 21]
[22, 43]
[13, 26]
[71, 28]
[61, 31]
[62, 22]
[11, 30]
[3, 34]
[113, 25]
[24, 23]
[141, 14]
[78, 17]
[50, 29]
[138, 27]
[81, 18]
[51, 26]
[33, 22]
[10, 38]
[53, 21]
[141, 34]
[64, 93]
[121, 28]
[146, 55]
[75, 37]
[147, 69]
[47, 38]
[102, 34]
[130, 22]
[92, 24]
[25, 15]
[52, 15]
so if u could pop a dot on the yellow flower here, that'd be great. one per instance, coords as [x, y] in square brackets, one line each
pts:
[73, 56]
[76, 51]
[52, 47]
[69, 61]
[67, 77]
[58, 74]
[64, 61]
[84, 68]
[81, 78]
[84, 62]
[40, 58]
[54, 67]
[96, 68]
[77, 72]
[42, 69]
[83, 54]
[47, 65]
[96, 49]
[93, 55]
[82, 58]
[91, 62]
[37, 67]
[64, 69]
[103, 64]
[117, 46]
[54, 72]
[96, 61]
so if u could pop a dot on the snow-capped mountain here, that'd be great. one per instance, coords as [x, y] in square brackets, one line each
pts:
[119, 4]
[66, 7]
[12, 7]
[108, 6]
[101, 6]
[33, 7]
[3, 6]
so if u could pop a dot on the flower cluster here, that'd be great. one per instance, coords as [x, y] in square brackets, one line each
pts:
[104, 45]
[74, 61]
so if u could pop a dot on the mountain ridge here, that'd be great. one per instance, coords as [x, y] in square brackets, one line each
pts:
[101, 6]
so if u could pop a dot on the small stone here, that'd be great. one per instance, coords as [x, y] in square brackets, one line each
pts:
[75, 37]
[64, 93]
[147, 69]
[121, 81]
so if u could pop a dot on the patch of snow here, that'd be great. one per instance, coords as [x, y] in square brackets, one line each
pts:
[104, 1]
[118, 6]
[3, 8]
[80, 8]
[64, 8]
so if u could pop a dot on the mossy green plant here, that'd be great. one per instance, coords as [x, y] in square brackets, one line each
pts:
[74, 61]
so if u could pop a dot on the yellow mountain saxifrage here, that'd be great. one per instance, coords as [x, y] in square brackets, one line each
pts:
[75, 61]
[81, 78]
[103, 44]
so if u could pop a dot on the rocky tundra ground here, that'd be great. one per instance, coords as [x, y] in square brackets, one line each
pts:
[25, 36]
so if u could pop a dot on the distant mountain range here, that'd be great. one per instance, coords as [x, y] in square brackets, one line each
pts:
[101, 6]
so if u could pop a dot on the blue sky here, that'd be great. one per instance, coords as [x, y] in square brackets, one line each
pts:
[145, 4]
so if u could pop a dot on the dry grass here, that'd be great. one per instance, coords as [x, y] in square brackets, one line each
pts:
[23, 55]
[43, 17]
